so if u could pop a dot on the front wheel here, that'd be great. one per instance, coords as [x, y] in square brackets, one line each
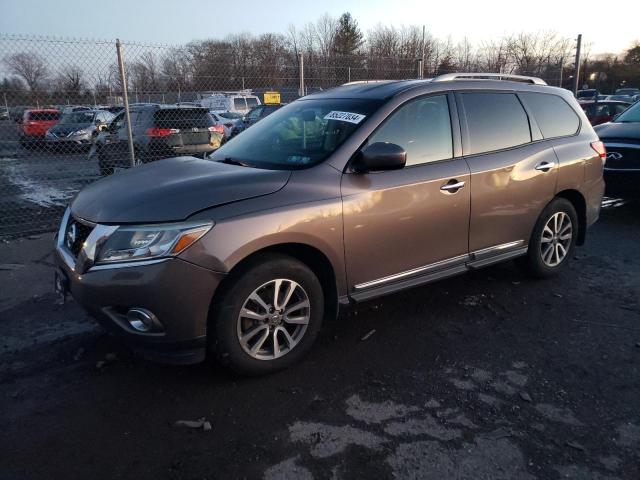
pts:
[553, 239]
[267, 316]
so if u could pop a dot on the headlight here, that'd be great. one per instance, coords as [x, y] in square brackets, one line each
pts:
[144, 242]
[80, 132]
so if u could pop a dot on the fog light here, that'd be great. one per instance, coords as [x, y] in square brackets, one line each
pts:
[142, 320]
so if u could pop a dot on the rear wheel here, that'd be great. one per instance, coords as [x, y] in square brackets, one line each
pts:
[553, 239]
[268, 317]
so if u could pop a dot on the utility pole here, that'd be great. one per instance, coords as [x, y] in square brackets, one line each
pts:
[561, 70]
[576, 75]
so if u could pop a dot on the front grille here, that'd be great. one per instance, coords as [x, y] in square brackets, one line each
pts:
[75, 235]
[620, 156]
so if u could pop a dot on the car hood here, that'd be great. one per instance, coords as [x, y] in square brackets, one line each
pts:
[171, 190]
[67, 128]
[618, 130]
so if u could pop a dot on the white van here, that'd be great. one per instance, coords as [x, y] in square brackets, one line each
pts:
[239, 102]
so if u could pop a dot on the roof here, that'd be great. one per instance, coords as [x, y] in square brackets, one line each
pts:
[385, 89]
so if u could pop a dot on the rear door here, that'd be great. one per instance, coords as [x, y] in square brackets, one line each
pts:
[403, 224]
[513, 171]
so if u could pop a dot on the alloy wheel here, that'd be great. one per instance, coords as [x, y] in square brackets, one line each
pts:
[556, 239]
[273, 319]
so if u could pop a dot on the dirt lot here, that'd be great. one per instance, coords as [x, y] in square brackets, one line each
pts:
[484, 376]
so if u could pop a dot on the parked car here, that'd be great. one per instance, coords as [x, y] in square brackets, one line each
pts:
[230, 102]
[620, 98]
[159, 131]
[621, 138]
[17, 112]
[34, 125]
[336, 198]
[602, 112]
[635, 98]
[587, 94]
[255, 115]
[77, 129]
[628, 91]
[227, 119]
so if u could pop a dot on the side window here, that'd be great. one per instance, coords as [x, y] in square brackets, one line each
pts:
[239, 103]
[495, 121]
[254, 114]
[422, 127]
[554, 116]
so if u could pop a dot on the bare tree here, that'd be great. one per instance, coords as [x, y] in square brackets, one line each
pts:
[30, 66]
[71, 80]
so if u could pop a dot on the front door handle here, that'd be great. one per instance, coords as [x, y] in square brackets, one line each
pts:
[452, 186]
[544, 166]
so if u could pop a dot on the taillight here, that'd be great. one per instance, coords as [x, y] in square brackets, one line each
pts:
[160, 132]
[217, 129]
[600, 150]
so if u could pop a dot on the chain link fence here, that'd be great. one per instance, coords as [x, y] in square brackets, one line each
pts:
[63, 121]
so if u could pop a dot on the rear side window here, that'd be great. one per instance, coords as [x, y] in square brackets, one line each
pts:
[252, 102]
[554, 116]
[44, 116]
[495, 121]
[239, 103]
[183, 118]
[422, 127]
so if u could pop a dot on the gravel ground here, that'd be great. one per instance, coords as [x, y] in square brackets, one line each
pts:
[486, 376]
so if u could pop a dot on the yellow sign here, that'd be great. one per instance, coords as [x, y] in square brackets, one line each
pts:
[271, 98]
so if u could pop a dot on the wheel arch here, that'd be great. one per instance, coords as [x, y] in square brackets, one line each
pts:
[579, 203]
[311, 256]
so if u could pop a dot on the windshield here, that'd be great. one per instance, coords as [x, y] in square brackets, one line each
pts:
[77, 117]
[299, 135]
[631, 114]
[586, 93]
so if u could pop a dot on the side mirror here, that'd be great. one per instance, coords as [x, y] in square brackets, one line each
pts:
[380, 156]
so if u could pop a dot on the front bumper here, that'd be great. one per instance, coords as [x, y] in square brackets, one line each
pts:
[177, 292]
[73, 140]
[622, 183]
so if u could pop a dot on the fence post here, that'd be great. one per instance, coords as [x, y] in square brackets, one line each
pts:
[348, 74]
[301, 66]
[125, 98]
[6, 105]
[576, 75]
[419, 68]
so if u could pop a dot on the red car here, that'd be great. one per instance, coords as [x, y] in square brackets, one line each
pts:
[603, 112]
[35, 123]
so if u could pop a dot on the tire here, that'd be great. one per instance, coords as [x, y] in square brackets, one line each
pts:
[540, 261]
[229, 320]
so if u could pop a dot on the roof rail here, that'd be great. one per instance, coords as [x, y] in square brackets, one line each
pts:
[358, 82]
[448, 77]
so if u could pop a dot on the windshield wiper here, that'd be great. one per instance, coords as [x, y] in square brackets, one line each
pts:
[233, 161]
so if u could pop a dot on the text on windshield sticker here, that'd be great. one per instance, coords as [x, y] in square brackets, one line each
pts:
[345, 117]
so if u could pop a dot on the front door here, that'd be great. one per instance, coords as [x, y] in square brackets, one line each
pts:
[401, 224]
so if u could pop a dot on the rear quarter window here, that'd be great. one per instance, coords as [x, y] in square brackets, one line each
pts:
[239, 103]
[554, 116]
[252, 102]
[495, 121]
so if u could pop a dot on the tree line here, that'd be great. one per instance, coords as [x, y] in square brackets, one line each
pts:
[334, 51]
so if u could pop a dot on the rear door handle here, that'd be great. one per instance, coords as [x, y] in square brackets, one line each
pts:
[544, 166]
[452, 186]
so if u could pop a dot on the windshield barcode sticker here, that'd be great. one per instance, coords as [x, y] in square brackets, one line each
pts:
[345, 117]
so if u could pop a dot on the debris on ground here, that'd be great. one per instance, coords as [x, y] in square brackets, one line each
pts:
[111, 357]
[10, 266]
[100, 364]
[472, 300]
[78, 355]
[525, 396]
[575, 445]
[201, 423]
[368, 335]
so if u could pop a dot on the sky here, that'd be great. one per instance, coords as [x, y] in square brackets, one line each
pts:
[180, 21]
